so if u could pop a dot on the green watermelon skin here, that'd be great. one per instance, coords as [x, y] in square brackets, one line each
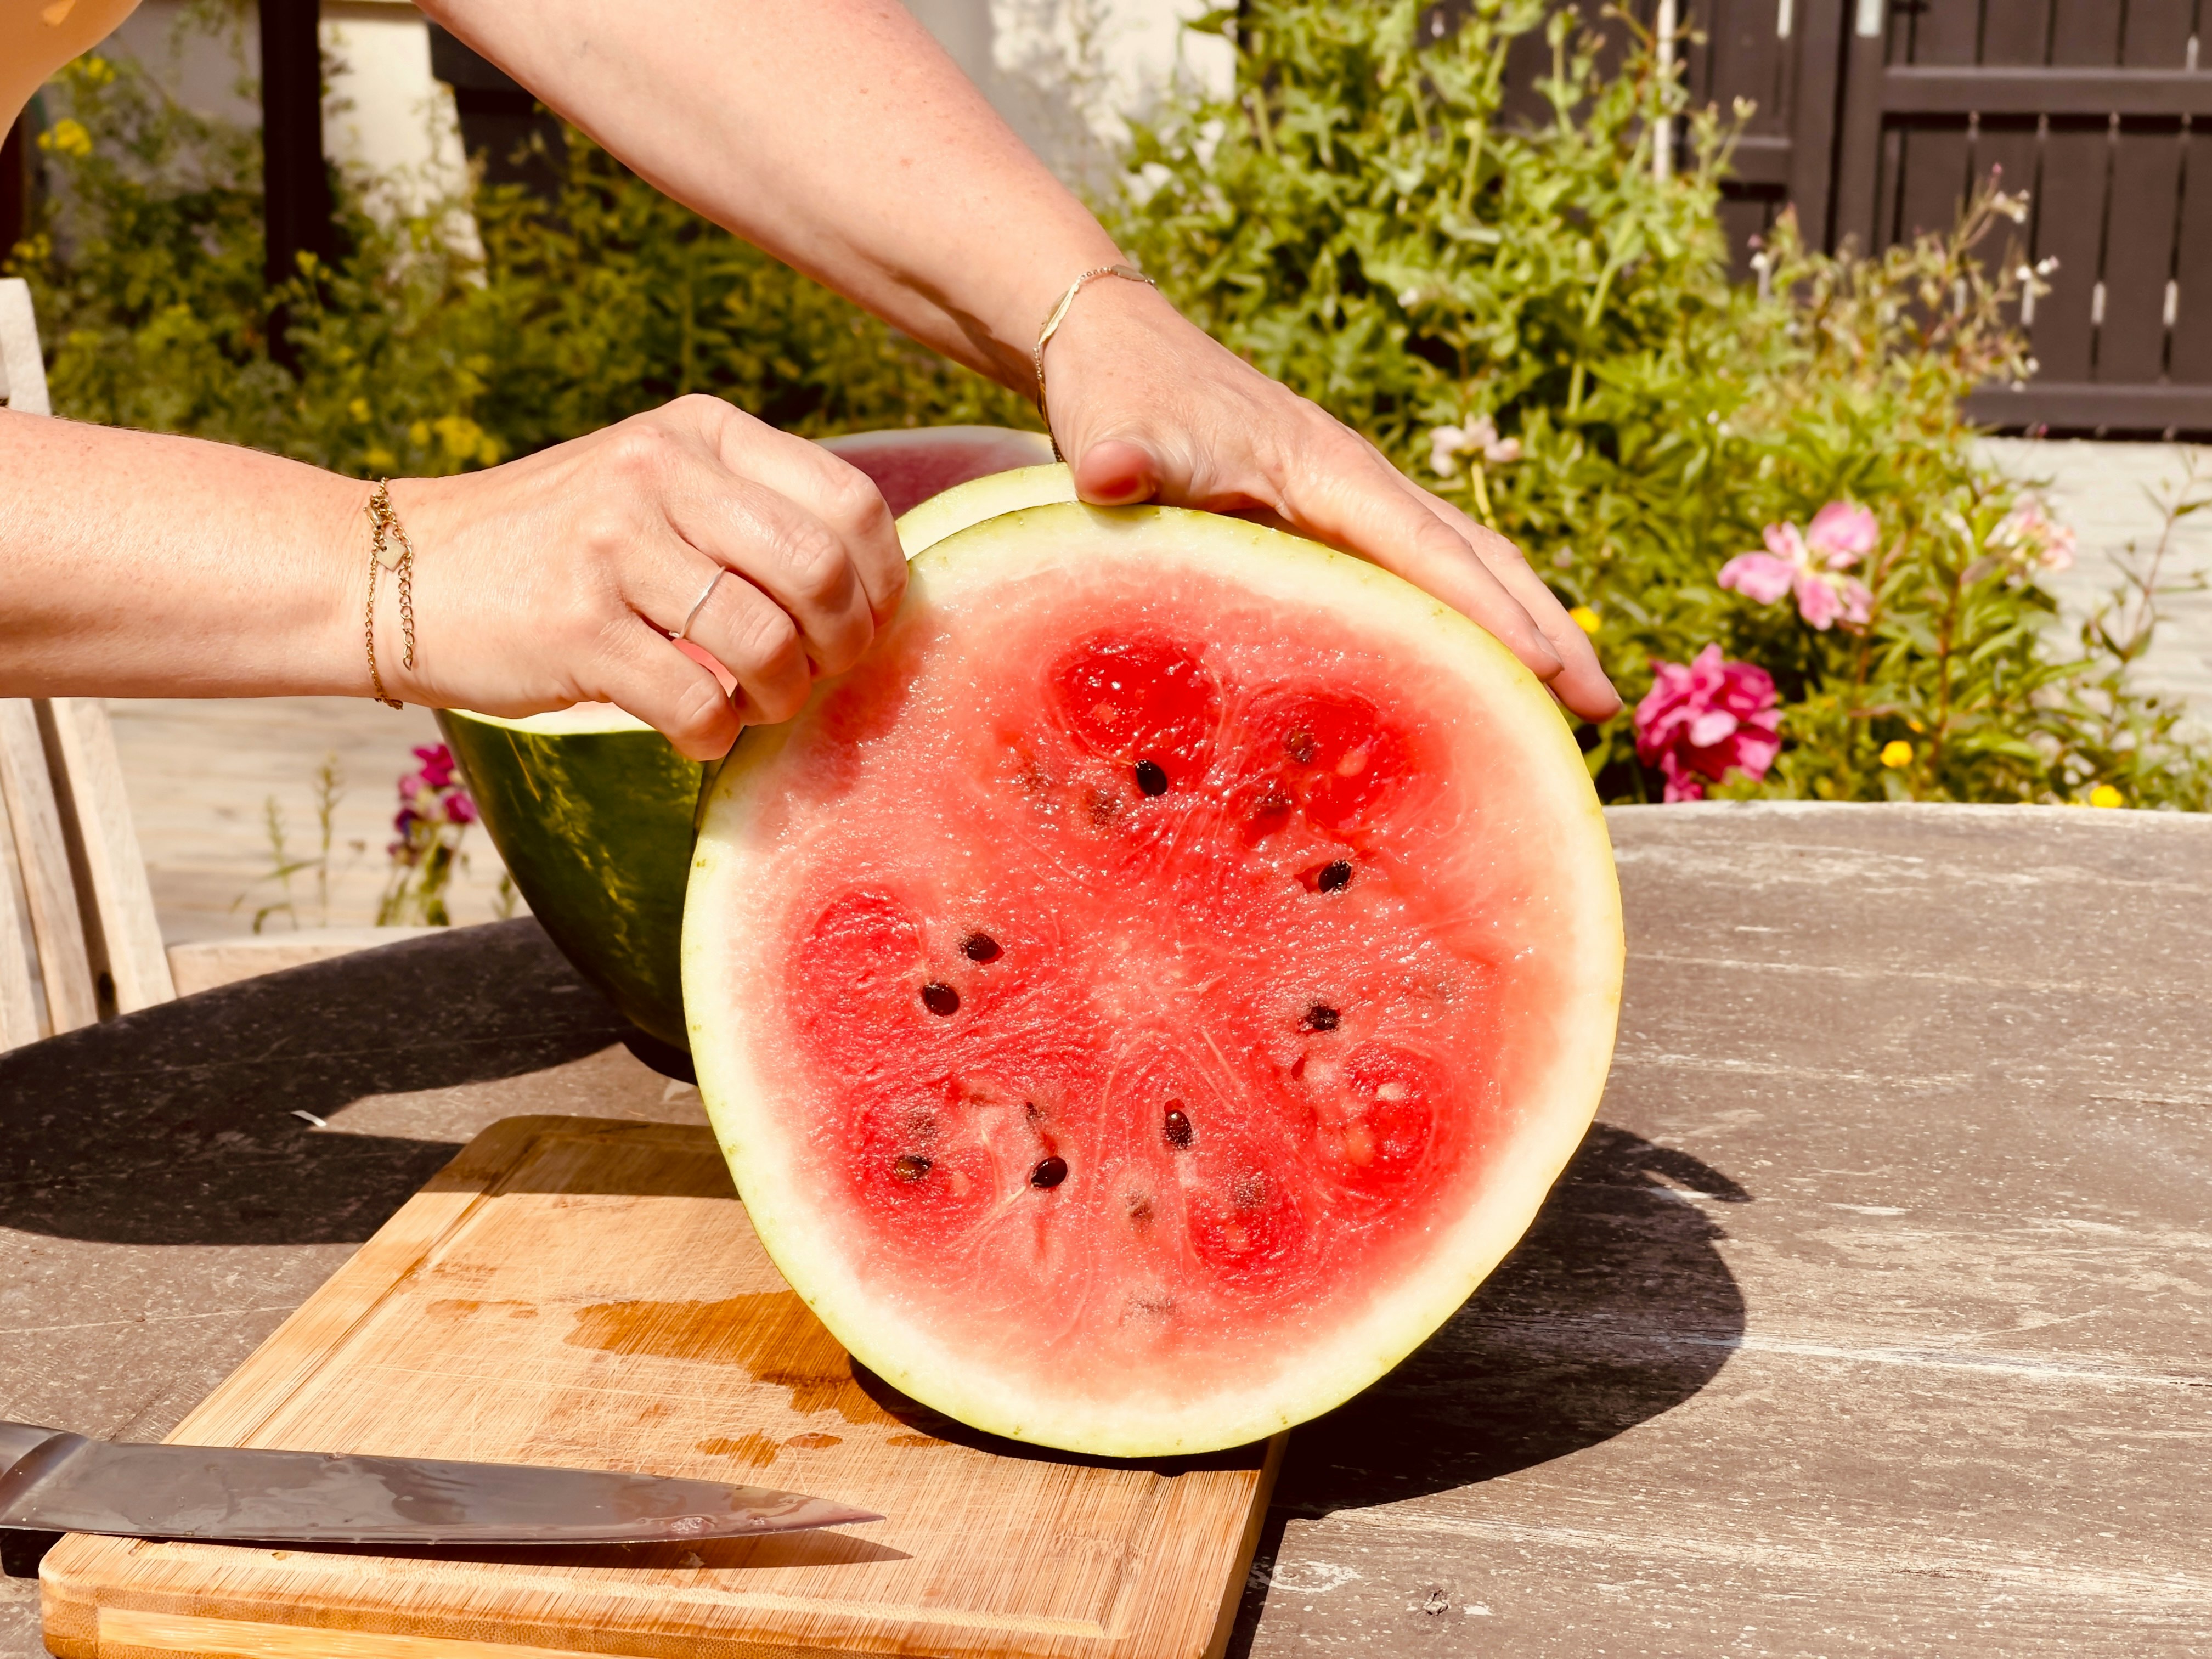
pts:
[595, 827]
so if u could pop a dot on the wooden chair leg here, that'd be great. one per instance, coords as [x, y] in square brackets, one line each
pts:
[19, 1012]
[122, 927]
[42, 856]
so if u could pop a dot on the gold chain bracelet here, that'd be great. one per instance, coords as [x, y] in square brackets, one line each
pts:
[385, 528]
[1128, 273]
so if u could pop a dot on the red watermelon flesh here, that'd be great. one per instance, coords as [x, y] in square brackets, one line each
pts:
[1144, 999]
[910, 464]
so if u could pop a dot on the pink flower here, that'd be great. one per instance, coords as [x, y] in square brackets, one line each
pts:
[2028, 533]
[1759, 577]
[1821, 599]
[1811, 562]
[1843, 532]
[1706, 719]
[459, 808]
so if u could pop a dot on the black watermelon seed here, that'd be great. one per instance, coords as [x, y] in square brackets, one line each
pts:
[1300, 742]
[1176, 1130]
[910, 1166]
[1150, 778]
[1334, 877]
[940, 998]
[1319, 1017]
[1050, 1173]
[979, 947]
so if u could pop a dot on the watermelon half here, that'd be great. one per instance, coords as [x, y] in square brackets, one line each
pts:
[1143, 1000]
[591, 809]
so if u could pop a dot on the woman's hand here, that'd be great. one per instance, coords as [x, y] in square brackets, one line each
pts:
[559, 578]
[1148, 408]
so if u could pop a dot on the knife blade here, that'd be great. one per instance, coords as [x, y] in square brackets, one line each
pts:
[54, 1481]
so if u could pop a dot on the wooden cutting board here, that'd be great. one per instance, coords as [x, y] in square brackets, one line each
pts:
[589, 1293]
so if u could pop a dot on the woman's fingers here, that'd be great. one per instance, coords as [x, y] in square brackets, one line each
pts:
[681, 699]
[836, 494]
[777, 541]
[1581, 684]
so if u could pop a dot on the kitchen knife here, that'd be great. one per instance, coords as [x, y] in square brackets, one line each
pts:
[57, 1482]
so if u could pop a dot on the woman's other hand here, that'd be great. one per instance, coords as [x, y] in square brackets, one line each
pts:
[559, 578]
[1147, 408]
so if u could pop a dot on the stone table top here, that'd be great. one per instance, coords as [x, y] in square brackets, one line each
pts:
[1875, 1316]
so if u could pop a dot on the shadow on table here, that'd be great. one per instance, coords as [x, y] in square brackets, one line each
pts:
[175, 1125]
[1614, 1308]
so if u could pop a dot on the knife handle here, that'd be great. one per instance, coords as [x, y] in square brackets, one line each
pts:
[19, 1440]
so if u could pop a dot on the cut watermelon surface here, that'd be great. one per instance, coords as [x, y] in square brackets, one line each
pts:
[1143, 1000]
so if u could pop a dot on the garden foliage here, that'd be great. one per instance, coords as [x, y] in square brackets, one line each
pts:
[1507, 300]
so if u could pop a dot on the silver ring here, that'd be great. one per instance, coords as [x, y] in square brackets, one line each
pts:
[684, 632]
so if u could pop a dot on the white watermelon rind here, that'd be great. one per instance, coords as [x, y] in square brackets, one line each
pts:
[733, 1075]
[920, 527]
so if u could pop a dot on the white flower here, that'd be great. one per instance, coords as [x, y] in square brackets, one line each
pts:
[1478, 437]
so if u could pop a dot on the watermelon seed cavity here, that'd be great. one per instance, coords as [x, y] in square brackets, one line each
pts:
[1319, 1017]
[1300, 743]
[982, 947]
[940, 998]
[1150, 778]
[1334, 877]
[1050, 1173]
[911, 1166]
[1177, 1129]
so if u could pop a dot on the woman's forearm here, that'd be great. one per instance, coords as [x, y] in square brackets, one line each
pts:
[835, 134]
[139, 565]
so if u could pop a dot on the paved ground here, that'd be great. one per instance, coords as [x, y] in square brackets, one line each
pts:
[201, 773]
[2107, 492]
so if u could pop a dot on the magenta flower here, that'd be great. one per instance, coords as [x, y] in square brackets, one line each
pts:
[429, 801]
[1811, 562]
[437, 765]
[1706, 718]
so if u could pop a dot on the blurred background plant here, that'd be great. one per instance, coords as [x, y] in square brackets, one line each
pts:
[284, 865]
[1520, 310]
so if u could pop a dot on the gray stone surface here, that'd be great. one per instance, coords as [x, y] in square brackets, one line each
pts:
[1873, 1318]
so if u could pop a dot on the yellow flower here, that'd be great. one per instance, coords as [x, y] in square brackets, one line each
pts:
[379, 459]
[98, 70]
[358, 408]
[1897, 752]
[2105, 795]
[1585, 618]
[419, 434]
[69, 137]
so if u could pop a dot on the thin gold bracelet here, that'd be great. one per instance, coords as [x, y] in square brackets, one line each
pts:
[384, 529]
[1129, 273]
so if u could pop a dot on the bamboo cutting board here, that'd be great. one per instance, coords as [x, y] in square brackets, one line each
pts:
[589, 1293]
